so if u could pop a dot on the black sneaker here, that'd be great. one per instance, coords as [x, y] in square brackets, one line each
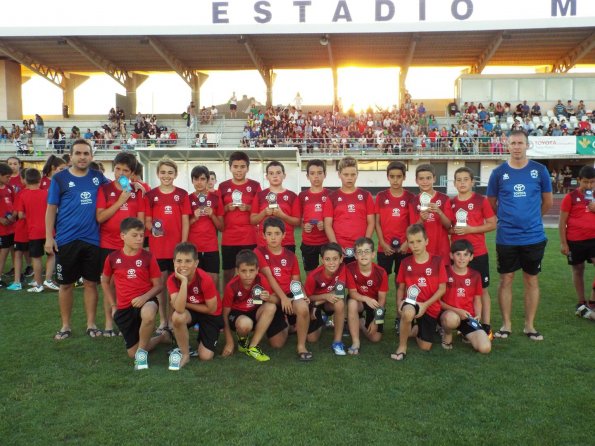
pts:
[28, 271]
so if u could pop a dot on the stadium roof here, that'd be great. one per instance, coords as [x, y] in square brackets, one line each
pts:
[299, 51]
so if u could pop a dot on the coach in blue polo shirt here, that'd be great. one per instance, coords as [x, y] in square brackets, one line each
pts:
[520, 191]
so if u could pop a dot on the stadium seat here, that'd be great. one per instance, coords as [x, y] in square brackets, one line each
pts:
[509, 120]
[550, 113]
[504, 126]
[536, 120]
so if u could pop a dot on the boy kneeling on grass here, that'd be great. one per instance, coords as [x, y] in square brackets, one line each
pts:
[194, 300]
[421, 283]
[249, 304]
[462, 301]
[137, 281]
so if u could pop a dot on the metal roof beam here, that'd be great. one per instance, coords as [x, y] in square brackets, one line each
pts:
[52, 74]
[410, 53]
[568, 61]
[120, 75]
[265, 72]
[189, 75]
[487, 54]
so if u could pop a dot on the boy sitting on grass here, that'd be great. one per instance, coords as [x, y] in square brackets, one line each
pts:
[367, 284]
[249, 304]
[421, 283]
[462, 302]
[194, 300]
[137, 282]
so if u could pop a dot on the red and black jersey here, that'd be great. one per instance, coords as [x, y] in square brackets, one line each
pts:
[367, 285]
[7, 196]
[288, 203]
[237, 228]
[283, 266]
[318, 282]
[581, 221]
[312, 211]
[239, 298]
[478, 211]
[200, 289]
[393, 214]
[461, 290]
[203, 233]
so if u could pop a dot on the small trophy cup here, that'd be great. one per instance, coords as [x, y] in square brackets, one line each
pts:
[379, 315]
[236, 198]
[412, 293]
[473, 323]
[461, 215]
[157, 230]
[296, 289]
[349, 252]
[257, 295]
[202, 203]
[272, 199]
[588, 196]
[395, 243]
[340, 290]
[125, 183]
[424, 201]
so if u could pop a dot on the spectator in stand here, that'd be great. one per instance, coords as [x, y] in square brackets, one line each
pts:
[59, 140]
[233, 106]
[214, 113]
[131, 142]
[499, 112]
[191, 121]
[580, 109]
[536, 110]
[570, 109]
[173, 137]
[567, 179]
[421, 110]
[88, 134]
[453, 108]
[560, 109]
[38, 125]
[525, 109]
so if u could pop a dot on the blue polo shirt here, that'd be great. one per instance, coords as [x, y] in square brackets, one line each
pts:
[518, 192]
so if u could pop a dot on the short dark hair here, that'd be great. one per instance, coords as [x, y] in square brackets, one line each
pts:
[138, 171]
[79, 141]
[275, 164]
[461, 244]
[425, 168]
[363, 241]
[273, 222]
[126, 158]
[247, 257]
[464, 169]
[239, 156]
[131, 223]
[331, 246]
[587, 172]
[417, 228]
[198, 171]
[212, 172]
[186, 248]
[5, 169]
[32, 176]
[396, 165]
[519, 132]
[317, 163]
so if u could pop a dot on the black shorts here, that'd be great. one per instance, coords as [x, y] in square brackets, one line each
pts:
[6, 241]
[581, 251]
[290, 247]
[166, 265]
[426, 327]
[233, 106]
[129, 321]
[466, 327]
[77, 259]
[481, 264]
[386, 261]
[103, 254]
[315, 323]
[36, 248]
[229, 253]
[21, 246]
[209, 261]
[210, 326]
[310, 256]
[368, 314]
[278, 323]
[511, 258]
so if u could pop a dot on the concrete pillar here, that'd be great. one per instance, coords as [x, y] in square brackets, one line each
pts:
[402, 88]
[200, 79]
[131, 86]
[72, 81]
[11, 104]
[270, 82]
[335, 88]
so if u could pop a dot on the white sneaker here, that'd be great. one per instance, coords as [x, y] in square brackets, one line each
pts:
[50, 285]
[35, 289]
[583, 311]
[175, 359]
[141, 359]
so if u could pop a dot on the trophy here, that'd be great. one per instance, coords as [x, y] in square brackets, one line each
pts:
[461, 215]
[125, 183]
[340, 290]
[473, 323]
[395, 243]
[202, 203]
[588, 196]
[296, 289]
[313, 222]
[424, 201]
[272, 199]
[157, 230]
[412, 293]
[236, 198]
[379, 316]
[257, 295]
[349, 252]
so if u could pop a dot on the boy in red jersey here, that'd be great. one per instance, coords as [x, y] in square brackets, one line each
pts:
[137, 282]
[473, 217]
[367, 284]
[349, 211]
[31, 207]
[577, 235]
[276, 201]
[115, 203]
[325, 286]
[21, 243]
[205, 221]
[237, 233]
[7, 217]
[421, 283]
[194, 300]
[433, 210]
[167, 213]
[311, 203]
[242, 314]
[462, 301]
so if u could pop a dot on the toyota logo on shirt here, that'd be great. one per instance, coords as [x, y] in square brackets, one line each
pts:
[519, 187]
[86, 198]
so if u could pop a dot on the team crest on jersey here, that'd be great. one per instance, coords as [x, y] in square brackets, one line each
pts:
[277, 271]
[402, 203]
[467, 282]
[364, 288]
[470, 206]
[534, 173]
[360, 197]
[396, 212]
[370, 282]
[168, 210]
[131, 273]
[285, 197]
[176, 198]
[209, 202]
[460, 292]
[428, 271]
[195, 290]
[422, 282]
[249, 189]
[505, 176]
[283, 262]
[96, 181]
[139, 263]
[318, 207]
[71, 184]
[439, 202]
[193, 299]
[351, 208]
[324, 199]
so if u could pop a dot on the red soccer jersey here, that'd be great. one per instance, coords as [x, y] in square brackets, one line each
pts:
[581, 221]
[318, 282]
[16, 183]
[349, 213]
[394, 215]
[200, 289]
[312, 211]
[478, 211]
[461, 290]
[237, 228]
[369, 285]
[45, 183]
[438, 242]
[203, 233]
[283, 266]
[167, 209]
[33, 203]
[132, 275]
[6, 207]
[288, 202]
[20, 225]
[236, 297]
[426, 276]
[109, 230]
